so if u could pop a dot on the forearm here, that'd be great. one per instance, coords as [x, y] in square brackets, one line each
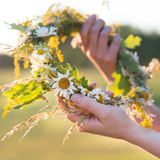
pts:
[156, 119]
[145, 138]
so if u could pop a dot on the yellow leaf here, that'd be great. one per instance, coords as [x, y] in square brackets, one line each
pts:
[114, 87]
[131, 41]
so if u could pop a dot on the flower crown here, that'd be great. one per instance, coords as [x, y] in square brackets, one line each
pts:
[38, 45]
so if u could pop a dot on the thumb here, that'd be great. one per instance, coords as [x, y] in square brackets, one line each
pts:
[93, 84]
[88, 104]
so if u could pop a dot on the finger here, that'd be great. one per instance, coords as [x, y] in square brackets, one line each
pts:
[88, 104]
[114, 48]
[103, 41]
[93, 84]
[85, 30]
[74, 118]
[83, 125]
[94, 34]
[60, 102]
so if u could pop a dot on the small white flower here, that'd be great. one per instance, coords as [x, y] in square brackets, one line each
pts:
[44, 31]
[41, 55]
[97, 97]
[105, 96]
[63, 85]
[82, 90]
[40, 67]
[93, 93]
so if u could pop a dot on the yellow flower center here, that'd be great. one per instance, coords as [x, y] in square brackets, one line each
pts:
[64, 83]
[40, 52]
[86, 90]
[53, 74]
[100, 100]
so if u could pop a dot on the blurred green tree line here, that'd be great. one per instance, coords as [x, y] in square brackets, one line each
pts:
[150, 48]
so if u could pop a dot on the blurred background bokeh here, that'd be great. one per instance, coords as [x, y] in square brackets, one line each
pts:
[45, 141]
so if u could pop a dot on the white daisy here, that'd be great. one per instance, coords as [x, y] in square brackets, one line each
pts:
[52, 31]
[63, 85]
[41, 55]
[44, 31]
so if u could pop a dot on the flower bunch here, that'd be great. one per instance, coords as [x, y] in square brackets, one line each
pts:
[39, 46]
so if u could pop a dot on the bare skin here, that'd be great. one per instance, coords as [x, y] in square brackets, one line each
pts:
[95, 47]
[104, 57]
[101, 122]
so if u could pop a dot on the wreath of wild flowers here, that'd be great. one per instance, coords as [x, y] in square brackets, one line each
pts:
[38, 46]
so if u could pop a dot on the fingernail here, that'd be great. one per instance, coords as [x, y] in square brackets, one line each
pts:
[76, 98]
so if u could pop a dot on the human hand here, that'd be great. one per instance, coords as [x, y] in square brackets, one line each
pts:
[95, 46]
[111, 121]
[105, 120]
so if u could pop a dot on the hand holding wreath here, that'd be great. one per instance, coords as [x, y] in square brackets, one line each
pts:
[96, 47]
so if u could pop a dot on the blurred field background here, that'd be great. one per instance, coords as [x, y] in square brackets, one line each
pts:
[45, 140]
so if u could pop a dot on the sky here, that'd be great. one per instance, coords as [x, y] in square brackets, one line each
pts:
[143, 14]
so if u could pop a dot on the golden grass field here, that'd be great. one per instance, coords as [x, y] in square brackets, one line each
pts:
[44, 142]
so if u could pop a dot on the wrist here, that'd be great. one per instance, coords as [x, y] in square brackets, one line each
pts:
[145, 138]
[133, 132]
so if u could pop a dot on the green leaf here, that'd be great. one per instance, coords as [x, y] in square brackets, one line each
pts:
[75, 73]
[18, 106]
[90, 88]
[23, 47]
[40, 24]
[25, 93]
[63, 68]
[17, 27]
[30, 94]
[15, 91]
[122, 45]
[84, 82]
[128, 62]
[28, 102]
[121, 84]
[68, 66]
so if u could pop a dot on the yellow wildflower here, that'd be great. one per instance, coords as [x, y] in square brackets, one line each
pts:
[9, 106]
[17, 67]
[26, 63]
[53, 42]
[147, 122]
